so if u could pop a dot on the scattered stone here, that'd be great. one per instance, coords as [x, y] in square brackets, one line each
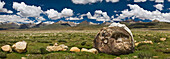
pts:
[57, 47]
[6, 48]
[135, 56]
[93, 50]
[162, 39]
[55, 44]
[159, 43]
[75, 49]
[117, 58]
[116, 39]
[20, 46]
[155, 57]
[53, 48]
[23, 58]
[64, 47]
[147, 42]
[84, 50]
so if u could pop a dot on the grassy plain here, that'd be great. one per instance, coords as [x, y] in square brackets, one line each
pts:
[38, 40]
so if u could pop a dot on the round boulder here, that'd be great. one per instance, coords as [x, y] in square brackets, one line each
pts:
[116, 39]
[20, 46]
[6, 48]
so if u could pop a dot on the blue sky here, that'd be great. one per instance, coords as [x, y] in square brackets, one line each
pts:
[100, 10]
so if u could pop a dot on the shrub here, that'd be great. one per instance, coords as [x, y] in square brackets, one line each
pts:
[3, 55]
[145, 55]
[83, 43]
[43, 51]
[34, 51]
[62, 41]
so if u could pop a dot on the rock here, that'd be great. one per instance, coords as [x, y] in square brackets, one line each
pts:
[136, 44]
[117, 58]
[20, 46]
[135, 57]
[93, 50]
[23, 58]
[54, 48]
[57, 47]
[155, 57]
[64, 47]
[116, 39]
[162, 39]
[55, 44]
[147, 42]
[84, 50]
[75, 49]
[6, 48]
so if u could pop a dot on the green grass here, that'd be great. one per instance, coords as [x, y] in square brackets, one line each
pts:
[39, 40]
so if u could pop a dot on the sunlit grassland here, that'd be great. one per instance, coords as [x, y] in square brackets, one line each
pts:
[83, 39]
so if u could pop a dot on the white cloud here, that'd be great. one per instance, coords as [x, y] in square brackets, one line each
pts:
[140, 13]
[85, 1]
[139, 0]
[169, 0]
[98, 15]
[159, 6]
[4, 9]
[159, 1]
[53, 14]
[113, 1]
[14, 18]
[27, 10]
[67, 12]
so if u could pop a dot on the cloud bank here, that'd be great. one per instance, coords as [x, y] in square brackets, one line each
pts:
[53, 14]
[4, 9]
[26, 10]
[138, 12]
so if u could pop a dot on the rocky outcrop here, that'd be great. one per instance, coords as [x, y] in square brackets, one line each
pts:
[6, 48]
[116, 39]
[20, 47]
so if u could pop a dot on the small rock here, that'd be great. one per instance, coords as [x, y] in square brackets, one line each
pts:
[93, 50]
[64, 47]
[135, 56]
[162, 39]
[60, 35]
[6, 48]
[20, 46]
[54, 48]
[155, 56]
[55, 44]
[57, 47]
[136, 44]
[84, 50]
[117, 58]
[23, 58]
[75, 49]
[148, 42]
[159, 43]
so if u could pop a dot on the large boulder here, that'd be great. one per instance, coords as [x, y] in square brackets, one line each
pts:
[20, 47]
[6, 48]
[116, 39]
